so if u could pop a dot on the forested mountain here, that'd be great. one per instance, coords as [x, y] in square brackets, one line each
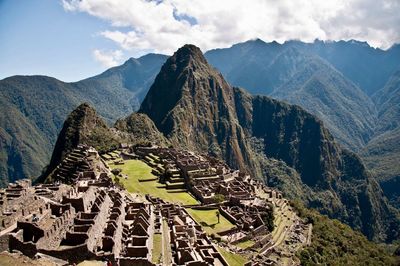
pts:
[196, 109]
[351, 86]
[382, 154]
[342, 83]
[332, 80]
[33, 109]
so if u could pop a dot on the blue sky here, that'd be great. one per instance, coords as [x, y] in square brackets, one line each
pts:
[40, 37]
[76, 39]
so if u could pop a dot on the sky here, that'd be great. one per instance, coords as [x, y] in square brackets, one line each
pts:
[76, 39]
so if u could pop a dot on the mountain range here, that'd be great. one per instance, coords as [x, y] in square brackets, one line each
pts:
[33, 109]
[196, 109]
[191, 106]
[351, 87]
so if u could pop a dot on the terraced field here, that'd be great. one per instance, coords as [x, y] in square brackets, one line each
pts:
[141, 181]
[209, 221]
[231, 258]
[283, 221]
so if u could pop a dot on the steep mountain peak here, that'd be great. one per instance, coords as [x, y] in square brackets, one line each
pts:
[185, 78]
[82, 126]
[188, 56]
[85, 107]
[190, 103]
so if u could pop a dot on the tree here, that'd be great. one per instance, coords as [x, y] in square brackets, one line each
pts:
[269, 219]
[218, 198]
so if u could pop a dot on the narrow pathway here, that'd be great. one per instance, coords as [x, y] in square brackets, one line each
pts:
[166, 246]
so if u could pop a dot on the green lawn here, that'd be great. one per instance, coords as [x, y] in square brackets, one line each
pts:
[157, 248]
[208, 220]
[231, 258]
[245, 244]
[136, 169]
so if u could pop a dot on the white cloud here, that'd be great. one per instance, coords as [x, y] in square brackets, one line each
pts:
[163, 26]
[108, 58]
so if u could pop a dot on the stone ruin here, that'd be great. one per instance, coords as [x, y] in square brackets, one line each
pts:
[189, 243]
[83, 160]
[92, 219]
[247, 202]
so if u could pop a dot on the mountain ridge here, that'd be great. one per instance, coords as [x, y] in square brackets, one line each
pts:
[44, 102]
[186, 121]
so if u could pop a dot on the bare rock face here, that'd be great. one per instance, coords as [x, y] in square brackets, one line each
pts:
[195, 108]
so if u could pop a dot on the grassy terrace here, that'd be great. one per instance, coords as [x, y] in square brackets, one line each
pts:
[245, 244]
[157, 248]
[137, 170]
[231, 258]
[208, 220]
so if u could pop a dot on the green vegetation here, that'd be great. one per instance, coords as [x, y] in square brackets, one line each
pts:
[209, 221]
[245, 244]
[157, 248]
[219, 198]
[137, 170]
[269, 219]
[33, 110]
[334, 243]
[141, 130]
[382, 156]
[231, 258]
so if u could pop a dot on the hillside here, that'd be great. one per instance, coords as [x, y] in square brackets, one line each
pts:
[335, 243]
[382, 153]
[139, 129]
[33, 109]
[316, 86]
[318, 76]
[297, 73]
[387, 102]
[195, 108]
[83, 125]
[367, 67]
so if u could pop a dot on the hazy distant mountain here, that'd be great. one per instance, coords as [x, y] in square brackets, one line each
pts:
[382, 154]
[367, 67]
[315, 85]
[330, 79]
[33, 109]
[195, 108]
[387, 102]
